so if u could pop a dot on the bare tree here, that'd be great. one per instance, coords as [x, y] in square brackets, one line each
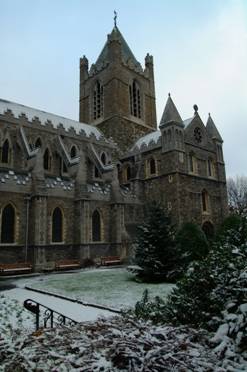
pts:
[237, 194]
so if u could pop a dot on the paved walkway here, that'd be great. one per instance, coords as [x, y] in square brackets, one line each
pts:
[74, 311]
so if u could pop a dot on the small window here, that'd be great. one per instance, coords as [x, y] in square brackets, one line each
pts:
[128, 173]
[220, 152]
[38, 143]
[5, 152]
[192, 163]
[47, 160]
[152, 166]
[210, 167]
[65, 169]
[96, 227]
[73, 152]
[103, 158]
[8, 225]
[57, 226]
[96, 172]
[204, 201]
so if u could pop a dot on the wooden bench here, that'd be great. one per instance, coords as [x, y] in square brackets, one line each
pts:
[15, 268]
[110, 260]
[67, 264]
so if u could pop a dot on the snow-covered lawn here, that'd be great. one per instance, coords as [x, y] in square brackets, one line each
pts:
[109, 344]
[115, 288]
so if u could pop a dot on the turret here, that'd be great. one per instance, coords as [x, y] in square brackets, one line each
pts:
[171, 126]
[218, 141]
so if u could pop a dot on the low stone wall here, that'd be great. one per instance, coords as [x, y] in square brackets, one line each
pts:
[44, 257]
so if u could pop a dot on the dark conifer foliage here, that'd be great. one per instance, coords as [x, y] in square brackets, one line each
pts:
[155, 246]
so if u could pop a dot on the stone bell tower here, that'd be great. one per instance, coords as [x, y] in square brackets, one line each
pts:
[116, 94]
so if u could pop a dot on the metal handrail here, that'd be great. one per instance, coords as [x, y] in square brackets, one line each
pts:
[50, 316]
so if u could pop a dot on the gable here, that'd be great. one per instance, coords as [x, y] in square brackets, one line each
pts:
[195, 133]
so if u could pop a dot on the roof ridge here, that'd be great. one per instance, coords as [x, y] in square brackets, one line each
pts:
[43, 116]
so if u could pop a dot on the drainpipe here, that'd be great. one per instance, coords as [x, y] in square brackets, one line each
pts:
[27, 198]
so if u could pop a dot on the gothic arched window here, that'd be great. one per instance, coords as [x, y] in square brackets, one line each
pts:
[73, 152]
[96, 172]
[5, 152]
[47, 160]
[135, 99]
[127, 173]
[192, 163]
[97, 100]
[220, 153]
[8, 224]
[211, 168]
[38, 143]
[96, 227]
[205, 201]
[152, 166]
[57, 225]
[103, 158]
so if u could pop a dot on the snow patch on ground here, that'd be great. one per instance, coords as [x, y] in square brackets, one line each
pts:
[96, 286]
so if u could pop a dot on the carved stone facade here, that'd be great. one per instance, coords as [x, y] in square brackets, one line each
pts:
[68, 191]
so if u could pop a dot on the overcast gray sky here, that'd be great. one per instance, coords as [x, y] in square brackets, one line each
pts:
[199, 49]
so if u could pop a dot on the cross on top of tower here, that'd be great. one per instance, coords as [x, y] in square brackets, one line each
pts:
[115, 18]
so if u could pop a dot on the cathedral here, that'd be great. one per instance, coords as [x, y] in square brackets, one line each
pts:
[77, 189]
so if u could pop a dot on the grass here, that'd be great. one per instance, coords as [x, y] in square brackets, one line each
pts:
[111, 287]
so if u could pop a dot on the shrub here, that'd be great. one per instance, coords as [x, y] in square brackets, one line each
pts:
[233, 230]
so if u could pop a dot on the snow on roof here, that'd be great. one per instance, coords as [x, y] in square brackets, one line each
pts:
[187, 121]
[32, 113]
[147, 139]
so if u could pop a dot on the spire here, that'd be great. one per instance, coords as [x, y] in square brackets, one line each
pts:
[126, 52]
[212, 130]
[170, 114]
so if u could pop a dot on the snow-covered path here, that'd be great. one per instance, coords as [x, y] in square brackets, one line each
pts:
[72, 310]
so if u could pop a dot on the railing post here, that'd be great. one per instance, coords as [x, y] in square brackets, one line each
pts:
[37, 318]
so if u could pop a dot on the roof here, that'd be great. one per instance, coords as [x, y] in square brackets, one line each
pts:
[170, 113]
[147, 139]
[43, 117]
[212, 130]
[126, 51]
[186, 122]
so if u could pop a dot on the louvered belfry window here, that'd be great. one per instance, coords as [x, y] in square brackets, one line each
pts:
[135, 99]
[97, 100]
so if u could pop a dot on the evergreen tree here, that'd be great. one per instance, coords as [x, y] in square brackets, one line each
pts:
[155, 248]
[191, 243]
